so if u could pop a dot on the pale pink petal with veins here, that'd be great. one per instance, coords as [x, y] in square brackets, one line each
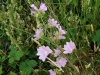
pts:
[57, 52]
[38, 33]
[52, 72]
[43, 52]
[69, 47]
[61, 62]
[42, 7]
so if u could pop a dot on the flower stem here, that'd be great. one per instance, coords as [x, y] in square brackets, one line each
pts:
[69, 61]
[55, 64]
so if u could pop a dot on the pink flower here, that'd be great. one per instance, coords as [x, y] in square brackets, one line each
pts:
[52, 72]
[53, 22]
[34, 7]
[89, 64]
[38, 33]
[60, 36]
[69, 47]
[61, 31]
[57, 52]
[43, 52]
[61, 62]
[42, 7]
[32, 12]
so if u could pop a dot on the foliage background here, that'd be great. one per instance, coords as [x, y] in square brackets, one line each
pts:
[81, 19]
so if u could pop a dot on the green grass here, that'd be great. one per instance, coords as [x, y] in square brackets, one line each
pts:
[81, 20]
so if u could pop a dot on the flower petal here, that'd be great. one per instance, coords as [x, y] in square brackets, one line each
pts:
[34, 7]
[57, 52]
[53, 22]
[43, 52]
[69, 47]
[42, 7]
[61, 61]
[52, 72]
[38, 33]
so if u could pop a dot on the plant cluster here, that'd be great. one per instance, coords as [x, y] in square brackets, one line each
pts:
[58, 34]
[52, 37]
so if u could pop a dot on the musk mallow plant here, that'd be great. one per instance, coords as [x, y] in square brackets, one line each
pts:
[34, 9]
[69, 47]
[44, 51]
[52, 72]
[61, 61]
[38, 33]
[56, 52]
[53, 22]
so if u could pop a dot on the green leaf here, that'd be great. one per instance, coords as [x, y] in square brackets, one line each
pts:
[98, 32]
[12, 73]
[1, 70]
[27, 66]
[13, 51]
[24, 68]
[2, 58]
[11, 60]
[96, 37]
[12, 47]
[14, 54]
[31, 63]
[42, 41]
[18, 55]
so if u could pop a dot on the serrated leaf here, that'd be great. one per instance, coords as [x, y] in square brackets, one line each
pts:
[27, 66]
[98, 32]
[11, 60]
[14, 54]
[18, 55]
[11, 47]
[31, 63]
[96, 37]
